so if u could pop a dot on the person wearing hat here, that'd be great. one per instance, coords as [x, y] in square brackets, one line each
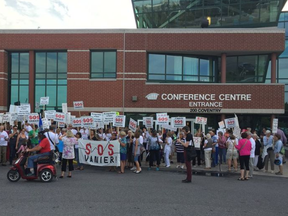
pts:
[268, 151]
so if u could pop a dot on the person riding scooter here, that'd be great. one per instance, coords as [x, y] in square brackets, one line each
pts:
[43, 148]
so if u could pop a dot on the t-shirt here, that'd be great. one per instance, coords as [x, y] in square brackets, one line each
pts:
[27, 128]
[84, 133]
[74, 132]
[53, 138]
[189, 137]
[33, 136]
[45, 146]
[123, 149]
[179, 146]
[3, 136]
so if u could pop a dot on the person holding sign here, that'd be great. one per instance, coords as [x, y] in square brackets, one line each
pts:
[180, 151]
[154, 146]
[123, 151]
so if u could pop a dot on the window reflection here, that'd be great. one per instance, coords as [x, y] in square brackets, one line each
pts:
[103, 64]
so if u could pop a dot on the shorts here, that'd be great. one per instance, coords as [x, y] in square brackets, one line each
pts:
[232, 155]
[136, 158]
[123, 157]
[280, 159]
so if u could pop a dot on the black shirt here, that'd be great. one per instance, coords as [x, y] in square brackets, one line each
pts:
[189, 137]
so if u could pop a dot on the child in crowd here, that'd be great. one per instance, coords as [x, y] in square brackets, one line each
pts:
[22, 149]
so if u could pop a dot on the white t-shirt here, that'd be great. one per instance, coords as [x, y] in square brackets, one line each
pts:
[84, 133]
[108, 136]
[74, 132]
[3, 136]
[252, 153]
[53, 138]
[141, 140]
[102, 136]
[27, 128]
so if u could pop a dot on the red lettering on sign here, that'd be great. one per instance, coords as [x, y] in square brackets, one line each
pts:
[110, 152]
[100, 150]
[88, 148]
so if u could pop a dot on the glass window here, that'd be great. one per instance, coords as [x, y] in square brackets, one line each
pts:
[51, 62]
[109, 62]
[15, 62]
[62, 94]
[103, 64]
[190, 66]
[97, 62]
[174, 65]
[285, 53]
[283, 67]
[24, 62]
[14, 94]
[51, 93]
[204, 67]
[39, 92]
[157, 64]
[62, 62]
[24, 94]
[40, 59]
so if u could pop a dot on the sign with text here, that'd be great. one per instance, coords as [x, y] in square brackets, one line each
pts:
[24, 109]
[237, 132]
[99, 125]
[12, 109]
[60, 117]
[98, 117]
[221, 124]
[148, 122]
[33, 118]
[119, 121]
[6, 118]
[61, 124]
[77, 122]
[230, 123]
[78, 105]
[99, 153]
[275, 125]
[108, 117]
[162, 119]
[87, 121]
[132, 125]
[50, 114]
[45, 123]
[178, 122]
[197, 142]
[200, 120]
[64, 108]
[1, 117]
[44, 101]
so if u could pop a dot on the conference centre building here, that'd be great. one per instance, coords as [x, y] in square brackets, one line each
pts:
[186, 58]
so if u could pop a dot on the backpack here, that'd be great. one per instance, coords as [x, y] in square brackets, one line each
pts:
[282, 151]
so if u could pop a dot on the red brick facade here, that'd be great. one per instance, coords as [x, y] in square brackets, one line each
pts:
[133, 45]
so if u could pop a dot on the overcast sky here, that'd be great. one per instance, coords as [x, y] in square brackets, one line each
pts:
[63, 14]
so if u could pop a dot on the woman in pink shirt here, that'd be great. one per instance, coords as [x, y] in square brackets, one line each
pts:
[244, 147]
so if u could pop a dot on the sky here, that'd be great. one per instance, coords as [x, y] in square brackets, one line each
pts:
[67, 14]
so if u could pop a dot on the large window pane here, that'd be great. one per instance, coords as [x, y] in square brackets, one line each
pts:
[283, 67]
[110, 62]
[204, 67]
[190, 66]
[157, 77]
[62, 95]
[51, 62]
[97, 62]
[14, 62]
[62, 62]
[39, 92]
[40, 59]
[51, 93]
[176, 78]
[174, 65]
[14, 94]
[24, 62]
[156, 64]
[24, 94]
[285, 53]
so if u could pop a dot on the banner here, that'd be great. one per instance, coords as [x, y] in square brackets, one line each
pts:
[77, 122]
[148, 122]
[33, 118]
[78, 104]
[200, 120]
[231, 123]
[60, 117]
[162, 119]
[275, 125]
[87, 121]
[64, 108]
[24, 109]
[99, 153]
[44, 101]
[108, 117]
[50, 114]
[119, 121]
[132, 125]
[98, 117]
[178, 122]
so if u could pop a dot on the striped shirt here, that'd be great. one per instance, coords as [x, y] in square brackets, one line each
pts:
[179, 146]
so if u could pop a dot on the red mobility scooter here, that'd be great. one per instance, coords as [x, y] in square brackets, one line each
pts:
[44, 169]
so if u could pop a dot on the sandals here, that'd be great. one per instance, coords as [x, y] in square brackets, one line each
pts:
[240, 179]
[61, 177]
[120, 172]
[246, 178]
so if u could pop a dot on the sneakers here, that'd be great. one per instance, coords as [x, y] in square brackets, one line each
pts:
[177, 166]
[133, 168]
[167, 166]
[182, 167]
[137, 172]
[278, 173]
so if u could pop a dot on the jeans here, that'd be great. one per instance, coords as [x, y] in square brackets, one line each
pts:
[12, 153]
[31, 159]
[215, 157]
[154, 154]
[222, 154]
[77, 157]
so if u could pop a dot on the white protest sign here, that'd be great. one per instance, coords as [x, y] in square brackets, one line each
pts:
[1, 117]
[200, 120]
[60, 117]
[98, 117]
[237, 132]
[50, 114]
[12, 109]
[44, 101]
[99, 125]
[230, 123]
[108, 117]
[178, 122]
[6, 118]
[37, 105]
[14, 117]
[24, 109]
[221, 124]
[78, 104]
[132, 125]
[169, 127]
[77, 122]
[64, 108]
[119, 121]
[45, 123]
[148, 122]
[20, 118]
[275, 125]
[33, 118]
[68, 118]
[61, 124]
[162, 119]
[87, 121]
[99, 153]
[197, 142]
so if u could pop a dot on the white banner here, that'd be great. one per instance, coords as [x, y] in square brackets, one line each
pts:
[108, 117]
[99, 153]
[178, 122]
[64, 108]
[119, 121]
[98, 117]
[50, 114]
[24, 109]
[78, 104]
[44, 101]
[132, 125]
[87, 121]
[162, 119]
[275, 125]
[148, 122]
[231, 123]
[33, 118]
[14, 117]
[200, 120]
[77, 122]
[169, 127]
[60, 117]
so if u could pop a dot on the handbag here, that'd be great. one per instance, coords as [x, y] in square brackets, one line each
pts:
[191, 152]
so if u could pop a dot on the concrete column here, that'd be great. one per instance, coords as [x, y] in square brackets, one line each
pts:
[223, 68]
[273, 67]
[31, 81]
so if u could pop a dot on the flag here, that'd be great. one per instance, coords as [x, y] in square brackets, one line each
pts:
[40, 122]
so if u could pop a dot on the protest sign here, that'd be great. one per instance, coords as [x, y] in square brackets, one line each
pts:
[14, 116]
[99, 125]
[162, 119]
[132, 125]
[108, 117]
[78, 105]
[33, 118]
[98, 117]
[237, 132]
[1, 117]
[77, 122]
[60, 117]
[12, 109]
[230, 123]
[6, 118]
[119, 121]
[50, 114]
[178, 122]
[274, 125]
[61, 124]
[64, 108]
[45, 123]
[87, 121]
[197, 142]
[148, 122]
[221, 124]
[68, 118]
[169, 127]
[44, 101]
[24, 109]
[200, 120]
[99, 153]
[37, 105]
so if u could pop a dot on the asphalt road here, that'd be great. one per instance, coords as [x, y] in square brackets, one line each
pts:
[95, 191]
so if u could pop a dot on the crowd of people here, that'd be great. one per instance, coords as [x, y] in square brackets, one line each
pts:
[252, 151]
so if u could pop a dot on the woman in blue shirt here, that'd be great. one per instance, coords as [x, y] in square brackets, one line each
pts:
[123, 151]
[154, 147]
[277, 148]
